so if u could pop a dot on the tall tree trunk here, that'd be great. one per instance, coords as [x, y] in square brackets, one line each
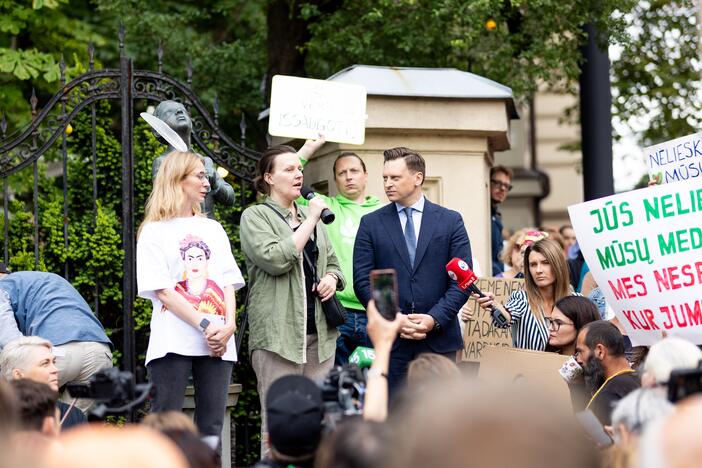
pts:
[287, 33]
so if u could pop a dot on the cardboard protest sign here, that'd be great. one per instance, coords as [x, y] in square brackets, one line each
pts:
[644, 249]
[479, 331]
[675, 160]
[536, 370]
[304, 108]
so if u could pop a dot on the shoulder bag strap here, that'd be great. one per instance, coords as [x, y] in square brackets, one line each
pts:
[304, 254]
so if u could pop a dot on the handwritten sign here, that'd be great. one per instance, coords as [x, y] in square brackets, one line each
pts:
[675, 160]
[304, 108]
[479, 332]
[644, 249]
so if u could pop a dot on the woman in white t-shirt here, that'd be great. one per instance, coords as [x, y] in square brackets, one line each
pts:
[186, 267]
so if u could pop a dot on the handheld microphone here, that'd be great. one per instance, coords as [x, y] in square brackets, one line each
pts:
[363, 357]
[459, 271]
[327, 216]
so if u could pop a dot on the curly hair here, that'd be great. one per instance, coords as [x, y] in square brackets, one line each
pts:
[193, 241]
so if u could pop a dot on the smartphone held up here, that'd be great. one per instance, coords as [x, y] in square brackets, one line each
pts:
[384, 292]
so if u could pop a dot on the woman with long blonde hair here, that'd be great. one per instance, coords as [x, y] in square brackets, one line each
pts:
[186, 268]
[546, 282]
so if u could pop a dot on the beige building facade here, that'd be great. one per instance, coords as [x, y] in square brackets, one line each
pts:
[548, 175]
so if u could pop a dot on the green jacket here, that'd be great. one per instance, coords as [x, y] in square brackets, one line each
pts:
[342, 233]
[277, 298]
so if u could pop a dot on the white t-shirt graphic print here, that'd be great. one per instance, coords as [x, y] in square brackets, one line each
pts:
[192, 256]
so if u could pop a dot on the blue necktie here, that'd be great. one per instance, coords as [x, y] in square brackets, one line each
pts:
[410, 238]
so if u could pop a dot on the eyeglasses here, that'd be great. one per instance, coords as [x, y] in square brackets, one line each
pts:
[555, 324]
[200, 175]
[501, 185]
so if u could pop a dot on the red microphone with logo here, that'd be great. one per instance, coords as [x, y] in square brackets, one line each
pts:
[459, 271]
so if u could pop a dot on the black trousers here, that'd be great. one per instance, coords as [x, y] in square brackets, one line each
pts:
[211, 378]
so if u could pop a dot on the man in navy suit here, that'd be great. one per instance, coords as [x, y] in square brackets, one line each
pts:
[417, 238]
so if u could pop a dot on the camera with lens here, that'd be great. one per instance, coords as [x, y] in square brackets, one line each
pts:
[343, 390]
[684, 382]
[114, 392]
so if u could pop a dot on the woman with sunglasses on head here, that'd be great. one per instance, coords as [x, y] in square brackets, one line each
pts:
[513, 256]
[546, 282]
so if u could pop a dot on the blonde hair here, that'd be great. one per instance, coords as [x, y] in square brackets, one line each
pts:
[559, 267]
[170, 421]
[515, 240]
[166, 198]
[429, 367]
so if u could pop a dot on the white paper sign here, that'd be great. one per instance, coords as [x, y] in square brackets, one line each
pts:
[644, 249]
[675, 160]
[304, 108]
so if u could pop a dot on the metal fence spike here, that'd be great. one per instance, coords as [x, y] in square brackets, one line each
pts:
[91, 55]
[120, 36]
[159, 54]
[62, 69]
[33, 101]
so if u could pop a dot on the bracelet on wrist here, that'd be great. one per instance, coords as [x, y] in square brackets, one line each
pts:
[372, 373]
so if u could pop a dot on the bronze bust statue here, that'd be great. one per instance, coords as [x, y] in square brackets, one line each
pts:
[174, 114]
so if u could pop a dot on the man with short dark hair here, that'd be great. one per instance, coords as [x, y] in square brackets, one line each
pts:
[500, 185]
[295, 411]
[599, 349]
[349, 205]
[37, 407]
[416, 238]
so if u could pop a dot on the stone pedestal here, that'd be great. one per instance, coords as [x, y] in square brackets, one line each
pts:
[228, 441]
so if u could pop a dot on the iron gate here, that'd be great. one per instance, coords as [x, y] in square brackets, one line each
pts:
[24, 147]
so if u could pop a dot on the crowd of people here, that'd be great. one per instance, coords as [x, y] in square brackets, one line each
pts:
[418, 406]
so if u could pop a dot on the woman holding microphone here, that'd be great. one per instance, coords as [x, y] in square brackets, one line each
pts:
[546, 282]
[288, 331]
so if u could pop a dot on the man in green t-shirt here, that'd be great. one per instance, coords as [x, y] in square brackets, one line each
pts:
[349, 206]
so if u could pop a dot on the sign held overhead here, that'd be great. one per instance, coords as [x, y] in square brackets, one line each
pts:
[675, 160]
[306, 108]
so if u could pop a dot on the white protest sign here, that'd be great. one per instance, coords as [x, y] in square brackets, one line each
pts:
[304, 108]
[644, 249]
[675, 160]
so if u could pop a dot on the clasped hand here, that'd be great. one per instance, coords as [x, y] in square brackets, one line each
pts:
[416, 326]
[217, 337]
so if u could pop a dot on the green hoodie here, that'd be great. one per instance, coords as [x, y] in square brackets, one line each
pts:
[342, 233]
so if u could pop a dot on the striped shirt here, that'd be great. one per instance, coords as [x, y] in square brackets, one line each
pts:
[528, 329]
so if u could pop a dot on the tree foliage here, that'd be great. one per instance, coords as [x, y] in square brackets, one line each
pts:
[657, 78]
[33, 37]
